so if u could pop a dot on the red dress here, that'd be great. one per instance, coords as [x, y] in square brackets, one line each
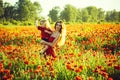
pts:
[44, 35]
[50, 51]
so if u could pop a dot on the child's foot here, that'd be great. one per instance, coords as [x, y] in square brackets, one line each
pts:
[41, 52]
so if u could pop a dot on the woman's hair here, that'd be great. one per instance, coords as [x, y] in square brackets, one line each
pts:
[62, 32]
[46, 23]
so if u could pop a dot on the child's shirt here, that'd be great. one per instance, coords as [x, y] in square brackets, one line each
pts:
[44, 35]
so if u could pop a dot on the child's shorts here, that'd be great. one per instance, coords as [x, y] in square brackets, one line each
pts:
[45, 39]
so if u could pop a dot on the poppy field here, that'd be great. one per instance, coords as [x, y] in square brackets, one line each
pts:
[90, 52]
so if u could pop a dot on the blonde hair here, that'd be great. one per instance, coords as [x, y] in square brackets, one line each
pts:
[62, 38]
[46, 23]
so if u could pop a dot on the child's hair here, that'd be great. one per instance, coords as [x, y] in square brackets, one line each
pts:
[63, 34]
[46, 23]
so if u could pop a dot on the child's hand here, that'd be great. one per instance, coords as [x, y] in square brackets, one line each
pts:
[49, 32]
[36, 22]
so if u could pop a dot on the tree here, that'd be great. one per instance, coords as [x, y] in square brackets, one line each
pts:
[112, 16]
[115, 16]
[9, 11]
[119, 17]
[79, 16]
[1, 8]
[54, 13]
[38, 9]
[27, 10]
[93, 12]
[69, 14]
[107, 16]
[85, 16]
[101, 14]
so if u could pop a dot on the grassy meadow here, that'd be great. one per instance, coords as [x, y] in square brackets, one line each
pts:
[91, 52]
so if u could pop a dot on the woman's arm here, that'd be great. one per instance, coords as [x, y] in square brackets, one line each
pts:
[51, 43]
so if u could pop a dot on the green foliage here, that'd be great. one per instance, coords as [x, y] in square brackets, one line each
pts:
[85, 16]
[112, 16]
[69, 14]
[6, 23]
[80, 39]
[1, 8]
[53, 14]
[37, 7]
[93, 12]
[25, 10]
[101, 15]
[14, 22]
[113, 44]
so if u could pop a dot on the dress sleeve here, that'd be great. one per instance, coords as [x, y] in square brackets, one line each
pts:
[40, 28]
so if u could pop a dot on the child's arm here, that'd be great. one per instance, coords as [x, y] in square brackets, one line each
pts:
[36, 22]
[37, 26]
[49, 32]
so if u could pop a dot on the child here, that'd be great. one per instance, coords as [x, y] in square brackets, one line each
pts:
[46, 31]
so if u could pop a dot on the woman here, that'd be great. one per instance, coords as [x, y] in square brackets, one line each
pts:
[56, 38]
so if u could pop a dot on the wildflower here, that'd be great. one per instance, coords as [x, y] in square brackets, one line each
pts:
[7, 71]
[26, 62]
[109, 78]
[104, 74]
[78, 78]
[90, 78]
[117, 67]
[49, 63]
[4, 77]
[1, 65]
[39, 67]
[10, 77]
[75, 65]
[79, 54]
[69, 67]
[81, 67]
[78, 70]
[51, 68]
[43, 74]
[10, 64]
[37, 71]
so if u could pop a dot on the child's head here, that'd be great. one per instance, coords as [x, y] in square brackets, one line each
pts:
[45, 23]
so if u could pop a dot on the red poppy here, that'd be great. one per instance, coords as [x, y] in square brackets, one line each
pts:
[26, 62]
[117, 67]
[109, 78]
[78, 78]
[7, 71]
[78, 70]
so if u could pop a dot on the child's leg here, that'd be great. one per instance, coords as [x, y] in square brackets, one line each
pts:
[44, 49]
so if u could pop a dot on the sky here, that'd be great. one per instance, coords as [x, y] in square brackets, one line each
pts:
[47, 5]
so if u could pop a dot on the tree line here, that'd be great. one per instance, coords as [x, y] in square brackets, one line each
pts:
[87, 14]
[24, 11]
